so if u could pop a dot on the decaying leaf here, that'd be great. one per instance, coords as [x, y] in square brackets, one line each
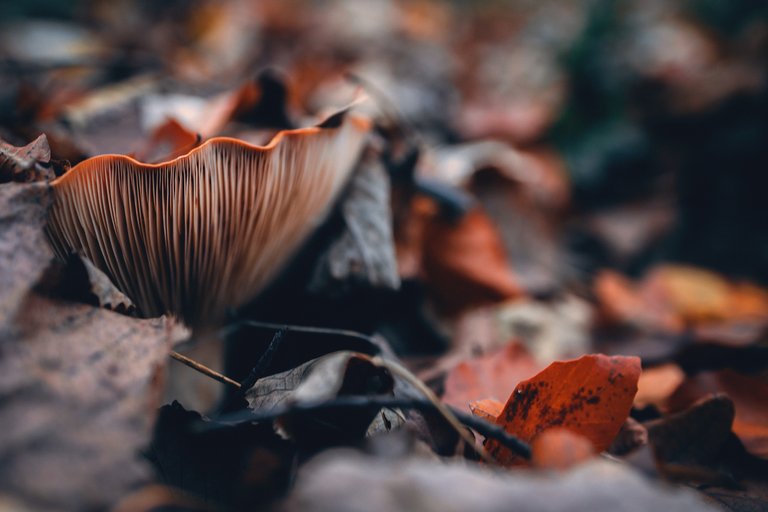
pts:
[694, 437]
[235, 467]
[591, 396]
[489, 376]
[106, 292]
[749, 395]
[673, 297]
[201, 234]
[488, 408]
[464, 264]
[24, 251]
[168, 141]
[78, 390]
[337, 374]
[25, 163]
[364, 253]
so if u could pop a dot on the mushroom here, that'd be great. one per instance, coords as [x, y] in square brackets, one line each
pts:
[205, 232]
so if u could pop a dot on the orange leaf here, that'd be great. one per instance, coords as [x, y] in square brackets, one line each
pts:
[657, 384]
[464, 263]
[488, 409]
[590, 396]
[489, 376]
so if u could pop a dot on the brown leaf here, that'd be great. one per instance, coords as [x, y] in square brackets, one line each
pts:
[79, 389]
[336, 374]
[464, 263]
[749, 395]
[363, 255]
[24, 251]
[694, 437]
[23, 164]
[168, 141]
[591, 396]
[488, 376]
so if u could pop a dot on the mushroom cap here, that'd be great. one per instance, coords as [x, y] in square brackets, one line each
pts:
[205, 232]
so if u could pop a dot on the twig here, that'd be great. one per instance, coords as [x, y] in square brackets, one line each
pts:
[443, 409]
[204, 369]
[481, 426]
[300, 328]
[264, 361]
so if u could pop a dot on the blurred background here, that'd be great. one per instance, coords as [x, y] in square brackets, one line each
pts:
[654, 110]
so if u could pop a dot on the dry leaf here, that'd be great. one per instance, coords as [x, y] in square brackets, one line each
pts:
[488, 409]
[694, 437]
[490, 376]
[336, 374]
[364, 254]
[591, 396]
[464, 264]
[79, 389]
[673, 297]
[168, 141]
[657, 384]
[749, 395]
[24, 250]
[25, 163]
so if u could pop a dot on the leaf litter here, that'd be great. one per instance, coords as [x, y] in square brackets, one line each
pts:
[545, 219]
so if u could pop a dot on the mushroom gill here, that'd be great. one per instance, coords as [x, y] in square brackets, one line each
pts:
[204, 232]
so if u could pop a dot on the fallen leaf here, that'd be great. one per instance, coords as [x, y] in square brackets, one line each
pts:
[24, 250]
[749, 394]
[337, 374]
[657, 384]
[79, 389]
[489, 376]
[560, 448]
[168, 141]
[364, 254]
[231, 467]
[632, 436]
[488, 408]
[464, 264]
[694, 437]
[674, 297]
[591, 396]
[26, 163]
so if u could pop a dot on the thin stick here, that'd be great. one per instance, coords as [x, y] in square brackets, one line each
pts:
[299, 328]
[449, 416]
[204, 369]
[264, 361]
[481, 426]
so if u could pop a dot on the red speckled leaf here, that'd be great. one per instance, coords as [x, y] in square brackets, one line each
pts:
[590, 396]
